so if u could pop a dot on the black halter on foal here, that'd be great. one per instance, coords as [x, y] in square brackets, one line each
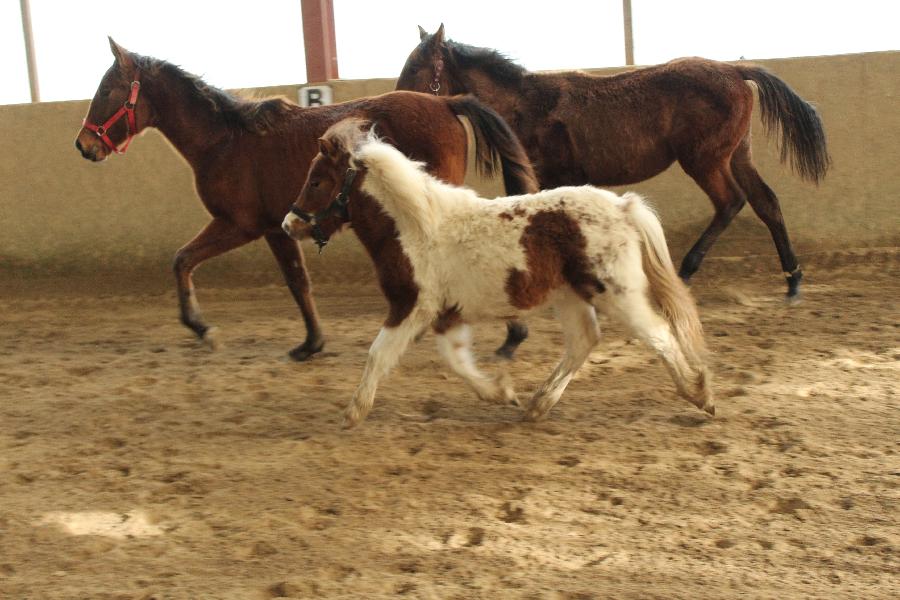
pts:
[338, 205]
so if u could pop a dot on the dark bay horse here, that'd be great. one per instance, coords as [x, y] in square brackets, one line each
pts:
[575, 248]
[626, 128]
[250, 159]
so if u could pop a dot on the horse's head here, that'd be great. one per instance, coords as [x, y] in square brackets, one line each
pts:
[323, 204]
[424, 70]
[117, 112]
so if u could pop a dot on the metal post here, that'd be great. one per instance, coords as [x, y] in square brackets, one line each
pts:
[29, 50]
[629, 38]
[319, 40]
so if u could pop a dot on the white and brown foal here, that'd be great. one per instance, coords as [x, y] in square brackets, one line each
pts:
[576, 248]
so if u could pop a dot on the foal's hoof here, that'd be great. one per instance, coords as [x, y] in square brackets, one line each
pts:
[533, 415]
[211, 339]
[350, 420]
[305, 350]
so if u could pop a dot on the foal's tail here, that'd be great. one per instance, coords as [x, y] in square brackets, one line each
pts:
[802, 134]
[494, 141]
[666, 287]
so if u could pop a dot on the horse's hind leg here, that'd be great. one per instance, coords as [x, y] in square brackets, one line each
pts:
[728, 199]
[384, 353]
[766, 206]
[633, 307]
[455, 345]
[516, 333]
[581, 333]
[290, 258]
[218, 237]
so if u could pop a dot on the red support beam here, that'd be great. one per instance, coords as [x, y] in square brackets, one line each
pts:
[319, 40]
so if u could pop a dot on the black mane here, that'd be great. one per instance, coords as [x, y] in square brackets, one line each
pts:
[257, 116]
[491, 61]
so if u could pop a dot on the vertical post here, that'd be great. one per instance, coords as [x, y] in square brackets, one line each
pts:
[629, 38]
[319, 40]
[29, 50]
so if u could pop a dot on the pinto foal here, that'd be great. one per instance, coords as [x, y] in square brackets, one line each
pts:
[572, 247]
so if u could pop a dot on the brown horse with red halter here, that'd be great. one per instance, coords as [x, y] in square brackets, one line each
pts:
[626, 128]
[250, 159]
[127, 111]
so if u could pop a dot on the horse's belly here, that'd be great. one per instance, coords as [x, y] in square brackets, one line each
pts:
[477, 284]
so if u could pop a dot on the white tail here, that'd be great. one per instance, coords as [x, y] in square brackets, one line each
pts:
[666, 288]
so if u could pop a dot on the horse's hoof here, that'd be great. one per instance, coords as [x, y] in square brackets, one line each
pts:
[305, 350]
[709, 408]
[349, 421]
[533, 415]
[793, 299]
[505, 352]
[211, 339]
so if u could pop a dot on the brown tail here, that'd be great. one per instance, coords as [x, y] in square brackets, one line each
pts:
[494, 141]
[802, 134]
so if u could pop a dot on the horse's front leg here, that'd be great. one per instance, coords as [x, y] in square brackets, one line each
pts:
[581, 334]
[455, 345]
[384, 353]
[290, 258]
[218, 237]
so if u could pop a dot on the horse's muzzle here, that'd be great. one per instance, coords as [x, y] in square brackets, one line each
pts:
[295, 227]
[91, 151]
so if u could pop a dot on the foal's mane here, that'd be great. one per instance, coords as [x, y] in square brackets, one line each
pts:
[257, 116]
[347, 135]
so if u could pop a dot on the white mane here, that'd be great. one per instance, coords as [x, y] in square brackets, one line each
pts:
[413, 198]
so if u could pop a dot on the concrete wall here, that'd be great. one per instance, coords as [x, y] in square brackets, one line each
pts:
[120, 222]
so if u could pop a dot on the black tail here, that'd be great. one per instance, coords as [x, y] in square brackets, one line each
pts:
[802, 135]
[495, 140]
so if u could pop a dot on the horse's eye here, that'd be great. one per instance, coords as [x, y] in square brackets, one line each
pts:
[314, 184]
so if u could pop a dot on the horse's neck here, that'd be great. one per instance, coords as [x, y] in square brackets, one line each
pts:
[501, 96]
[375, 230]
[189, 123]
[409, 202]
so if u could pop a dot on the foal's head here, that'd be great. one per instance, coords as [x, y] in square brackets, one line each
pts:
[117, 111]
[322, 206]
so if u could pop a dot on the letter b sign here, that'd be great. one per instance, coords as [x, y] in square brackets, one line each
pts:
[315, 95]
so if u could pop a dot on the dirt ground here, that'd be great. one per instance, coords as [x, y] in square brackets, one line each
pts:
[137, 464]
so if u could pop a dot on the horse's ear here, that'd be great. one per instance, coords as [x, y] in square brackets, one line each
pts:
[422, 33]
[123, 56]
[437, 40]
[326, 147]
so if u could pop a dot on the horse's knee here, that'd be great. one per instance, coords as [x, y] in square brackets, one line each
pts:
[181, 263]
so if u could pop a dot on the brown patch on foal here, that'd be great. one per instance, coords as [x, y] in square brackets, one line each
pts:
[555, 252]
[447, 320]
[518, 211]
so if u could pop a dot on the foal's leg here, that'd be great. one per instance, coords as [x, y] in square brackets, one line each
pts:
[384, 353]
[581, 334]
[290, 258]
[728, 199]
[765, 204]
[633, 307]
[455, 345]
[218, 237]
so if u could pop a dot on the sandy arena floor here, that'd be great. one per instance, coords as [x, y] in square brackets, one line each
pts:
[137, 464]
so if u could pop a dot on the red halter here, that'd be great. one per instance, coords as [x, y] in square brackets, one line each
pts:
[125, 109]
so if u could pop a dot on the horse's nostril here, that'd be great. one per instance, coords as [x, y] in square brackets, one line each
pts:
[78, 145]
